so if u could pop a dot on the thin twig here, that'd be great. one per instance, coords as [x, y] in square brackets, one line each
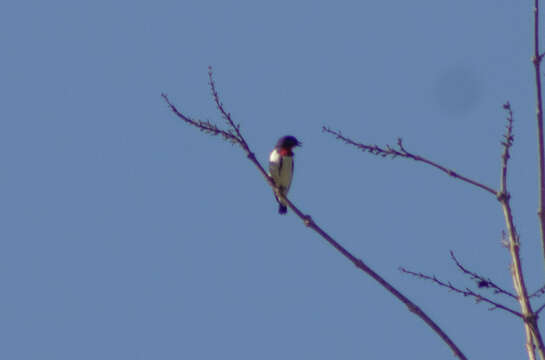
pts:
[536, 60]
[482, 282]
[466, 292]
[205, 126]
[225, 114]
[234, 135]
[507, 143]
[402, 152]
[538, 292]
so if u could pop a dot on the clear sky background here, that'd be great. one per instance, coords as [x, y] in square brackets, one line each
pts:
[127, 234]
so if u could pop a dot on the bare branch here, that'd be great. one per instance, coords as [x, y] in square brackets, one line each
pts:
[467, 292]
[533, 333]
[227, 116]
[538, 292]
[204, 126]
[402, 152]
[481, 281]
[233, 134]
[536, 60]
[507, 143]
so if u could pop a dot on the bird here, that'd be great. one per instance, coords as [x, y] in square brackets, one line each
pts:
[281, 168]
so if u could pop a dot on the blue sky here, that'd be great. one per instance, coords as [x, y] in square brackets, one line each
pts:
[128, 235]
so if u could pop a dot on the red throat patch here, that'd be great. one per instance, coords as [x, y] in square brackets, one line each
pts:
[285, 152]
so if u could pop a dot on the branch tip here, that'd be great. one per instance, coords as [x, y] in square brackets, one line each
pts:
[401, 151]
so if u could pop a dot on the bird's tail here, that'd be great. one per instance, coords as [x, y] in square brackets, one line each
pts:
[282, 208]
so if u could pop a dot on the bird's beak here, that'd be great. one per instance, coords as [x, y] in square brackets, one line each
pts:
[299, 143]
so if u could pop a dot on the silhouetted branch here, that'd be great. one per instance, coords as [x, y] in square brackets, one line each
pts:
[227, 116]
[400, 151]
[466, 292]
[205, 126]
[533, 334]
[481, 281]
[536, 60]
[538, 292]
[507, 143]
[233, 135]
[530, 319]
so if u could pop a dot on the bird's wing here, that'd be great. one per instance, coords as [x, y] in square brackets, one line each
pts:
[288, 170]
[275, 165]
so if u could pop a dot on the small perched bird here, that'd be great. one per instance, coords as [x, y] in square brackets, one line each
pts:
[281, 167]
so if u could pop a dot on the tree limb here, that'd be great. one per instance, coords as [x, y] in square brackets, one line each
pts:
[466, 292]
[533, 335]
[536, 60]
[402, 152]
[234, 135]
[482, 282]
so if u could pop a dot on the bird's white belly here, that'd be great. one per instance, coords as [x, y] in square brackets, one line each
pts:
[281, 169]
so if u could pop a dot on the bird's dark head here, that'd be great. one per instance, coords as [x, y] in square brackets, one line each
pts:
[288, 142]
